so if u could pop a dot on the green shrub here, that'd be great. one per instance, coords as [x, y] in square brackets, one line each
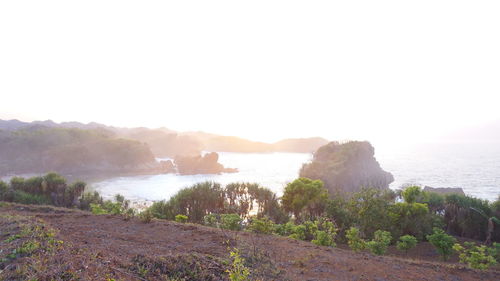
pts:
[212, 220]
[224, 221]
[162, 210]
[478, 257]
[181, 218]
[285, 229]
[299, 232]
[90, 198]
[96, 209]
[263, 225]
[495, 251]
[354, 240]
[3, 190]
[231, 221]
[380, 242]
[406, 242]
[28, 198]
[323, 238]
[146, 216]
[442, 242]
[325, 234]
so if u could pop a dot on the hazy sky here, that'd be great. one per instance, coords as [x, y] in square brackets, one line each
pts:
[377, 70]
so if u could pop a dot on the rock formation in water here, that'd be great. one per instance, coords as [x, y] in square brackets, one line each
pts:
[207, 164]
[347, 167]
[445, 190]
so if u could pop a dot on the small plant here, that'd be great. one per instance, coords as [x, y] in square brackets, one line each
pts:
[442, 242]
[181, 218]
[354, 240]
[146, 216]
[380, 242]
[406, 242]
[478, 257]
[238, 271]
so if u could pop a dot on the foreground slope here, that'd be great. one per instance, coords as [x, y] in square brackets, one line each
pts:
[108, 247]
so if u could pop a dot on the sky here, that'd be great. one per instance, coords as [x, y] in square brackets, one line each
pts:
[265, 70]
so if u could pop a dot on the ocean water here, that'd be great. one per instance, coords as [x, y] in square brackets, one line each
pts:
[473, 167]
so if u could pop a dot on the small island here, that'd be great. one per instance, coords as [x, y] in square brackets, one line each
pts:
[206, 164]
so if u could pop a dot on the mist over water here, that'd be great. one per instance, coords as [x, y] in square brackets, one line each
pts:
[475, 167]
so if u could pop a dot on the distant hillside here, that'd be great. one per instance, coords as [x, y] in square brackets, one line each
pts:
[306, 145]
[168, 143]
[165, 143]
[40, 149]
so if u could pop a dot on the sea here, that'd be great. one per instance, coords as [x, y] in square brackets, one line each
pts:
[472, 166]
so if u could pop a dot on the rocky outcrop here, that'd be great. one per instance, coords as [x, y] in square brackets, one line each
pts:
[207, 164]
[347, 167]
[445, 190]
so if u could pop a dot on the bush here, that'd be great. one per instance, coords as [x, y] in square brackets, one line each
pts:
[161, 210]
[442, 242]
[146, 216]
[380, 242]
[181, 218]
[263, 225]
[231, 221]
[90, 198]
[326, 233]
[478, 257]
[3, 190]
[354, 240]
[495, 251]
[96, 209]
[305, 231]
[285, 229]
[323, 238]
[28, 198]
[406, 243]
[224, 221]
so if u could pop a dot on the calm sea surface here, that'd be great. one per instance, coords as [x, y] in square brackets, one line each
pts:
[474, 167]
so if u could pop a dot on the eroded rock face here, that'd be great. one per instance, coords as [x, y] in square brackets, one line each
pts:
[347, 167]
[207, 164]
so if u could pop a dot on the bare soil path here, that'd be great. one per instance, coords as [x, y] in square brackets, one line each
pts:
[119, 241]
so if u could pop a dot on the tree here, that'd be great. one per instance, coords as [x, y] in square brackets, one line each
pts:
[305, 197]
[370, 210]
[412, 194]
[406, 242]
[442, 242]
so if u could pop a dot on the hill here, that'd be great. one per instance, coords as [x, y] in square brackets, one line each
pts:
[75, 245]
[168, 143]
[347, 167]
[40, 149]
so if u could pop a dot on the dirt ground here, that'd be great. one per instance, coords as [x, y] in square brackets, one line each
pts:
[115, 243]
